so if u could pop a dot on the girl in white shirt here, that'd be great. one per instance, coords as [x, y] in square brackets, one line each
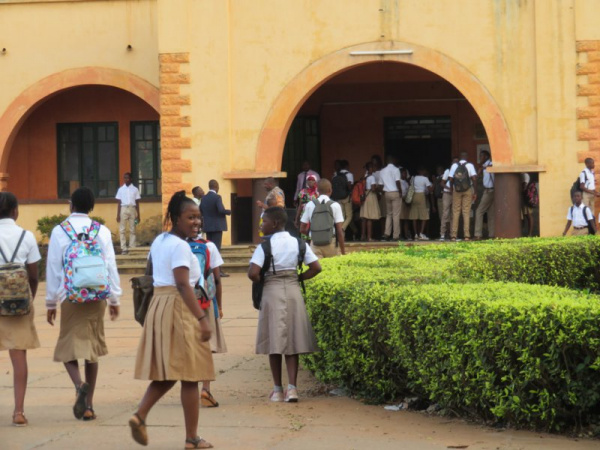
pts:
[283, 325]
[419, 211]
[369, 210]
[174, 344]
[81, 324]
[17, 333]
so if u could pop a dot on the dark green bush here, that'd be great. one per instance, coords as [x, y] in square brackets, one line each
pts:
[427, 319]
[47, 223]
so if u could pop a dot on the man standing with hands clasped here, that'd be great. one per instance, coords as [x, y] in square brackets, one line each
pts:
[214, 216]
[128, 211]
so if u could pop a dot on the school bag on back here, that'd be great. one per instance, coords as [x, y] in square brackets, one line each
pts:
[576, 187]
[321, 223]
[358, 192]
[86, 275]
[15, 296]
[461, 180]
[339, 186]
[202, 254]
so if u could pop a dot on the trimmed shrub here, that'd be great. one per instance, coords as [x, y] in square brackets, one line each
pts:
[46, 224]
[148, 230]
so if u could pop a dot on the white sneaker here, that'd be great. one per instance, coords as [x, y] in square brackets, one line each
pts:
[276, 396]
[423, 237]
[442, 237]
[291, 396]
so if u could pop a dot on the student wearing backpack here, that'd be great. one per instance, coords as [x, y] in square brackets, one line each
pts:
[462, 178]
[587, 184]
[324, 218]
[18, 333]
[341, 185]
[284, 329]
[486, 204]
[369, 210]
[81, 250]
[580, 216]
[174, 343]
[446, 211]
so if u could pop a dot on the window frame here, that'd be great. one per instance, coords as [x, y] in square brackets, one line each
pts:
[60, 169]
[156, 150]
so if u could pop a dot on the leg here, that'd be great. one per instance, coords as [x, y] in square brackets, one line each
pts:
[389, 215]
[19, 363]
[153, 394]
[467, 199]
[132, 228]
[479, 218]
[291, 363]
[91, 375]
[423, 225]
[456, 199]
[415, 228]
[73, 371]
[363, 229]
[275, 363]
[191, 404]
[122, 230]
[370, 230]
[396, 210]
[347, 210]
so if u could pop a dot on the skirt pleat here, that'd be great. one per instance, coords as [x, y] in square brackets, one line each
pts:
[81, 332]
[418, 207]
[170, 348]
[18, 332]
[283, 324]
[217, 338]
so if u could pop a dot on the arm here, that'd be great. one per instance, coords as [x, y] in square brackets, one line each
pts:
[119, 211]
[221, 208]
[254, 272]
[53, 275]
[304, 228]
[298, 210]
[182, 282]
[567, 227]
[113, 273]
[399, 186]
[314, 269]
[474, 179]
[32, 274]
[340, 236]
[137, 210]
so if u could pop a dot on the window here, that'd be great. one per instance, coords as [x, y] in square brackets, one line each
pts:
[145, 157]
[88, 155]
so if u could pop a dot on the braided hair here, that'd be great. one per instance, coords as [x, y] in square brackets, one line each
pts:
[176, 207]
[8, 203]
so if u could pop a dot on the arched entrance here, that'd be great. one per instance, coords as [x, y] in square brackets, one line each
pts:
[461, 87]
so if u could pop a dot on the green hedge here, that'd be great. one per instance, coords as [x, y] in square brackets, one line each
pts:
[426, 320]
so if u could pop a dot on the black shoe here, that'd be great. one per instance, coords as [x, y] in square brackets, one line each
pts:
[385, 238]
[224, 275]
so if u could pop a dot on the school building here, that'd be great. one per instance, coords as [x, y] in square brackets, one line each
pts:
[182, 91]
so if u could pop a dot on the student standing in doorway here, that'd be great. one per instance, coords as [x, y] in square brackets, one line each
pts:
[462, 178]
[128, 211]
[392, 190]
[369, 210]
[526, 210]
[486, 205]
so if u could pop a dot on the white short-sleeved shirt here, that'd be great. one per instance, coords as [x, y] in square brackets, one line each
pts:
[446, 178]
[10, 233]
[421, 183]
[284, 249]
[470, 168]
[371, 181]
[128, 195]
[525, 178]
[169, 252]
[389, 175]
[336, 209]
[404, 185]
[576, 215]
[588, 178]
[349, 176]
[488, 178]
[216, 260]
[59, 241]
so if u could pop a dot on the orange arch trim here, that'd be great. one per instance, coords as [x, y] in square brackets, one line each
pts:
[271, 141]
[18, 111]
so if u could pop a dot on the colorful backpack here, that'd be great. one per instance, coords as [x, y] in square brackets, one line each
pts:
[15, 296]
[531, 195]
[201, 252]
[86, 274]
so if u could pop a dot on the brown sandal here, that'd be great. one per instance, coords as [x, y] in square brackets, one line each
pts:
[89, 414]
[138, 429]
[207, 400]
[19, 420]
[197, 442]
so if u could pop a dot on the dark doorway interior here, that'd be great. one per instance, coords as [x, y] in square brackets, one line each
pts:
[302, 144]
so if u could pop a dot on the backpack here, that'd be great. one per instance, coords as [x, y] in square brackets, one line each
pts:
[202, 254]
[577, 184]
[321, 223]
[257, 286]
[15, 295]
[411, 192]
[438, 189]
[339, 186]
[143, 291]
[359, 191]
[461, 181]
[86, 275]
[591, 229]
[531, 195]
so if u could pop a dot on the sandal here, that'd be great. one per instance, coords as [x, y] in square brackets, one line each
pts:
[19, 420]
[138, 429]
[89, 414]
[80, 402]
[207, 400]
[197, 442]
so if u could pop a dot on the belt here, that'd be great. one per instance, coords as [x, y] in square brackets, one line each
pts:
[579, 228]
[127, 206]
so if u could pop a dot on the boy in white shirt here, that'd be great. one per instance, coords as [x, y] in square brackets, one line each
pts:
[128, 211]
[580, 216]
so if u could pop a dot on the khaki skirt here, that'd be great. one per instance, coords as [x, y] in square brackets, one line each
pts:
[370, 208]
[217, 338]
[18, 332]
[170, 348]
[81, 332]
[283, 325]
[418, 207]
[405, 212]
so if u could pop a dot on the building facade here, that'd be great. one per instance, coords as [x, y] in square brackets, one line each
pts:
[182, 91]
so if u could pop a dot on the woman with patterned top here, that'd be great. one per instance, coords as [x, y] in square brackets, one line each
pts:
[306, 195]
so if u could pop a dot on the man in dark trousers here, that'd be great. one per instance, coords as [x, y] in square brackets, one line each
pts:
[213, 215]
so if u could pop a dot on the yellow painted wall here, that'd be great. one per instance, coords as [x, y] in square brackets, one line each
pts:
[29, 214]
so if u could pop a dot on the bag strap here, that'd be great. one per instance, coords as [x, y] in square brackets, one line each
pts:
[95, 227]
[18, 245]
[266, 246]
[301, 255]
[69, 230]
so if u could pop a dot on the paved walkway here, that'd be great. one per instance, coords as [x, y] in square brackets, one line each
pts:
[245, 418]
